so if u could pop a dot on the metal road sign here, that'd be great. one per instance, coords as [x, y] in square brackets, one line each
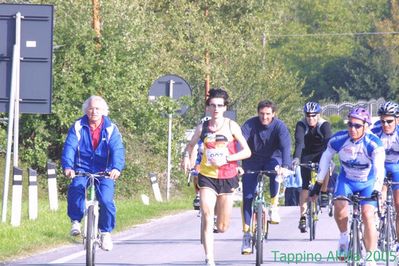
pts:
[35, 56]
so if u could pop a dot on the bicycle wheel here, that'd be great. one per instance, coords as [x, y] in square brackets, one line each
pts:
[315, 213]
[388, 238]
[90, 237]
[259, 234]
[352, 251]
[310, 219]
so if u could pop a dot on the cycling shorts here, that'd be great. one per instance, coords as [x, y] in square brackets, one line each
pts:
[393, 169]
[346, 187]
[220, 186]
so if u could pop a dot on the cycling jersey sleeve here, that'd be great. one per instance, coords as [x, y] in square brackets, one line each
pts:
[299, 139]
[378, 157]
[326, 131]
[324, 163]
[285, 143]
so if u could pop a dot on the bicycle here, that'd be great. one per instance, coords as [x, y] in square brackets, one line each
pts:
[313, 207]
[355, 254]
[387, 236]
[259, 223]
[91, 234]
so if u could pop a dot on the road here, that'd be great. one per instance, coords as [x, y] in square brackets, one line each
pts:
[174, 240]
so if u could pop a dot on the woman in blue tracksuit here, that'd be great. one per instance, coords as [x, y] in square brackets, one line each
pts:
[93, 144]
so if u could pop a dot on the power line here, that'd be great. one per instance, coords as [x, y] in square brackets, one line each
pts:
[335, 34]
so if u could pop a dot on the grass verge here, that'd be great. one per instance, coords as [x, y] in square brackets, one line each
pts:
[51, 229]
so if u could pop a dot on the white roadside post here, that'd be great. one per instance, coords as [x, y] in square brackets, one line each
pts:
[155, 187]
[16, 204]
[52, 186]
[33, 195]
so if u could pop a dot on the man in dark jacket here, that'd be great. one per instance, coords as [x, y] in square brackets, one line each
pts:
[270, 143]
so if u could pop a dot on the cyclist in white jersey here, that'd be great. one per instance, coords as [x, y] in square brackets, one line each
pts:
[362, 157]
[388, 132]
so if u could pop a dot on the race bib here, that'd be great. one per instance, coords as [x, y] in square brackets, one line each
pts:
[217, 156]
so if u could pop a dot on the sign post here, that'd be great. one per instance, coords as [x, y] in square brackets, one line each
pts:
[173, 87]
[25, 71]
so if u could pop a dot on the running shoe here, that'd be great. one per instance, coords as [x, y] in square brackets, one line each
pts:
[274, 215]
[106, 241]
[75, 229]
[302, 224]
[246, 247]
[196, 203]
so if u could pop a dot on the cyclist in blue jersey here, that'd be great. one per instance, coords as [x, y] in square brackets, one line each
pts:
[388, 132]
[311, 136]
[93, 144]
[362, 156]
[270, 143]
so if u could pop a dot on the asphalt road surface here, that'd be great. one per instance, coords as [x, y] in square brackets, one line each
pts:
[174, 240]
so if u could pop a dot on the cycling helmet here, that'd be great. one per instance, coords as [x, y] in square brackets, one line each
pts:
[389, 108]
[312, 107]
[360, 113]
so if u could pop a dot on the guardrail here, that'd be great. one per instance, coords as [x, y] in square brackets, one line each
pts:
[342, 109]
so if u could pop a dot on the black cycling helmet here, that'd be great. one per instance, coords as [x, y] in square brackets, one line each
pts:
[312, 107]
[389, 108]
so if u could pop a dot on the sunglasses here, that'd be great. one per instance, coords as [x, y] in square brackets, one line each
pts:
[216, 105]
[311, 115]
[386, 121]
[355, 125]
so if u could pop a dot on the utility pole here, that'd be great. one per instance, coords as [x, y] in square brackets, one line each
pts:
[207, 66]
[96, 22]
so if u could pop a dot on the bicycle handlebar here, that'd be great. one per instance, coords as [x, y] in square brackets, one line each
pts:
[266, 172]
[99, 174]
[310, 165]
[285, 172]
[357, 198]
[354, 198]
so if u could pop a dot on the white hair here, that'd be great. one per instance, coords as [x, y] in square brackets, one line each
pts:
[103, 104]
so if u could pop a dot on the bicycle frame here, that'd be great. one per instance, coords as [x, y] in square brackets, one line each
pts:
[91, 233]
[313, 207]
[259, 223]
[355, 254]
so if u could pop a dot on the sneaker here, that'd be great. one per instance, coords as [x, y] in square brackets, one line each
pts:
[75, 229]
[274, 215]
[196, 203]
[106, 241]
[324, 199]
[209, 262]
[342, 249]
[246, 247]
[302, 224]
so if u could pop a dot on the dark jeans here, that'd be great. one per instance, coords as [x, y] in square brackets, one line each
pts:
[292, 196]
